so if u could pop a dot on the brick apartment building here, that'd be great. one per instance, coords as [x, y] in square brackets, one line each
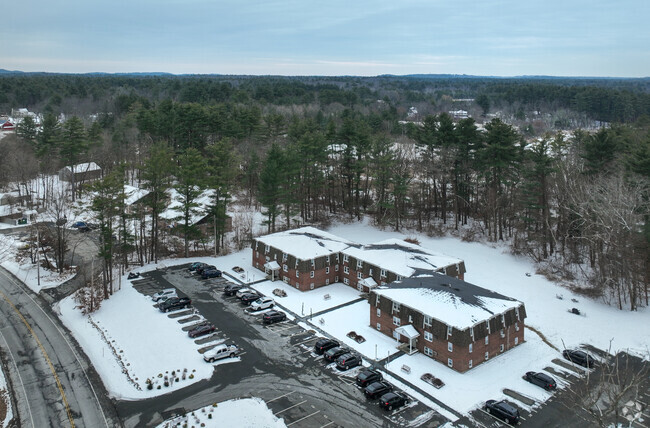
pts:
[365, 266]
[308, 258]
[304, 258]
[452, 321]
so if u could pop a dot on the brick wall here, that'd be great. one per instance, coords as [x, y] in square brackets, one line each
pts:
[513, 335]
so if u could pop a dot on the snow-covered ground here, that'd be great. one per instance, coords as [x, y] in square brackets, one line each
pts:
[244, 413]
[129, 341]
[7, 400]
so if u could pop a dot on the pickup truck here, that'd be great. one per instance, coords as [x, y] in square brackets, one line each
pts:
[221, 351]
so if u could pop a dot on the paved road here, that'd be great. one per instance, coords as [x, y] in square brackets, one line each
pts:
[52, 381]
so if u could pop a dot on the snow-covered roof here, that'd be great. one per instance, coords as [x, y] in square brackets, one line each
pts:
[400, 257]
[134, 194]
[306, 242]
[452, 301]
[84, 167]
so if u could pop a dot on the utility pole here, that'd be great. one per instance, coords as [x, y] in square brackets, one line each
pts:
[38, 256]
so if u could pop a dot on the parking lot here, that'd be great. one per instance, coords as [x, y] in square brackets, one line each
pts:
[312, 392]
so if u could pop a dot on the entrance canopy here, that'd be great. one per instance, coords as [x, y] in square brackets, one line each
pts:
[272, 266]
[368, 282]
[408, 330]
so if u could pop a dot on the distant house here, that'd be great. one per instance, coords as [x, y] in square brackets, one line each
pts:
[13, 207]
[449, 320]
[308, 258]
[83, 172]
[199, 216]
[459, 114]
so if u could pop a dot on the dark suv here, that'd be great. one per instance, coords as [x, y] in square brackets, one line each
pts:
[541, 379]
[377, 389]
[333, 354]
[324, 344]
[211, 273]
[503, 410]
[201, 330]
[368, 376]
[232, 289]
[272, 317]
[174, 303]
[578, 357]
[347, 361]
[393, 400]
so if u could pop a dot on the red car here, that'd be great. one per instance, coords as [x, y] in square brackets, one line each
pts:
[201, 330]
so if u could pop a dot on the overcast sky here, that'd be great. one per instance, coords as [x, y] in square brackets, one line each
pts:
[331, 37]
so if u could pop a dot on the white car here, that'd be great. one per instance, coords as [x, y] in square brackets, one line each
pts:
[219, 352]
[165, 294]
[262, 303]
[244, 291]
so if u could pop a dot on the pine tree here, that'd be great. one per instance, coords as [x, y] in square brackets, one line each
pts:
[191, 176]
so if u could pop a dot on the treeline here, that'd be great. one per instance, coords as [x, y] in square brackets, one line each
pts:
[610, 100]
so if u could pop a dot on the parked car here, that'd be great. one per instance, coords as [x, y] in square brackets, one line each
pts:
[78, 224]
[194, 266]
[262, 303]
[174, 303]
[249, 298]
[201, 330]
[393, 400]
[578, 357]
[203, 268]
[232, 289]
[333, 354]
[377, 389]
[273, 316]
[324, 344]
[243, 291]
[503, 410]
[211, 273]
[133, 275]
[368, 376]
[221, 351]
[541, 379]
[347, 361]
[164, 294]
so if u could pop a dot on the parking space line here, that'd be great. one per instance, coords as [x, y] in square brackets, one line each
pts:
[305, 341]
[277, 398]
[308, 416]
[326, 425]
[290, 407]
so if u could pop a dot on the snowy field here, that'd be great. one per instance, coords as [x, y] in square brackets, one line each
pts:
[132, 341]
[243, 413]
[7, 400]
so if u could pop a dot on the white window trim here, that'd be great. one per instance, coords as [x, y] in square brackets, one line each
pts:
[397, 321]
[428, 336]
[450, 347]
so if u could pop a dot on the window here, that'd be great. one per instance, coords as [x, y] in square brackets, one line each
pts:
[297, 273]
[257, 254]
[410, 319]
[449, 330]
[397, 321]
[470, 364]
[284, 257]
[311, 286]
[395, 307]
[471, 347]
[450, 347]
[487, 355]
[360, 286]
[487, 339]
[327, 258]
[516, 326]
[297, 285]
[378, 326]
[346, 269]
[359, 275]
[503, 320]
[359, 264]
[285, 268]
[327, 281]
[399, 277]
[471, 332]
[501, 348]
[427, 321]
[428, 336]
[346, 281]
[517, 313]
[336, 278]
[327, 269]
[266, 248]
[377, 300]
[296, 263]
[337, 257]
[383, 273]
[312, 262]
[275, 256]
[336, 268]
[503, 334]
[370, 272]
[487, 325]
[345, 258]
[311, 274]
[516, 341]
[378, 312]
[428, 352]
[450, 362]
